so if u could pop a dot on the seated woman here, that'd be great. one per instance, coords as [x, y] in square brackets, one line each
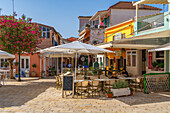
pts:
[111, 74]
[125, 73]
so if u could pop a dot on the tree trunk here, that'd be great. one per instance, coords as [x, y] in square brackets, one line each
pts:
[11, 68]
[19, 78]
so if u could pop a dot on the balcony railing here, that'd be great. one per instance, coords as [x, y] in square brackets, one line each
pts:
[151, 22]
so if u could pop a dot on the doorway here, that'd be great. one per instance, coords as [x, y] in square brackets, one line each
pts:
[25, 64]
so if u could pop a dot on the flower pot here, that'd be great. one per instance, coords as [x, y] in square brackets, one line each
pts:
[109, 95]
[131, 93]
[120, 92]
[33, 74]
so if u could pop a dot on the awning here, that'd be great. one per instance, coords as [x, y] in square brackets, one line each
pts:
[128, 46]
[151, 2]
[161, 48]
[108, 45]
[134, 46]
[160, 34]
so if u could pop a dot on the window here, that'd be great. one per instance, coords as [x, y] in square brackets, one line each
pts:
[131, 58]
[113, 37]
[45, 32]
[159, 54]
[128, 58]
[111, 62]
[123, 36]
[160, 58]
[2, 62]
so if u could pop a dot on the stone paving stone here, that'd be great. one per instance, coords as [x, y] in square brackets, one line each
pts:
[41, 96]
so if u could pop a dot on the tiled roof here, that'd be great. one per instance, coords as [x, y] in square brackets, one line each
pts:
[84, 16]
[129, 5]
[71, 39]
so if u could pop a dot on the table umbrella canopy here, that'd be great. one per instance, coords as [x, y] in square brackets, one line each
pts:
[78, 47]
[4, 54]
[161, 48]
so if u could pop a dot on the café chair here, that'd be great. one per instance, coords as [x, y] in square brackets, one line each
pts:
[3, 78]
[108, 84]
[82, 88]
[58, 82]
[94, 87]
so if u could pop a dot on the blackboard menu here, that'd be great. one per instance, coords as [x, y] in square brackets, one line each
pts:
[67, 83]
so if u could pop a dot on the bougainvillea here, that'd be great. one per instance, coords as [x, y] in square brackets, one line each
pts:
[19, 35]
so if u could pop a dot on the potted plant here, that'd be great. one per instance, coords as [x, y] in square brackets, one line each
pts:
[33, 73]
[109, 94]
[161, 66]
[120, 88]
[155, 66]
[131, 91]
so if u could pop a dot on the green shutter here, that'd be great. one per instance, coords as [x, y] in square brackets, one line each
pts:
[167, 61]
[108, 21]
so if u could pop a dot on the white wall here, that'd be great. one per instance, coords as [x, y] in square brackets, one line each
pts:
[120, 15]
[97, 35]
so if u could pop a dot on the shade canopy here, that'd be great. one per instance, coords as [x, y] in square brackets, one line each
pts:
[161, 48]
[76, 47]
[4, 54]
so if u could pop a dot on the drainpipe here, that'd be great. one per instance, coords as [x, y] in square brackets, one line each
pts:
[137, 14]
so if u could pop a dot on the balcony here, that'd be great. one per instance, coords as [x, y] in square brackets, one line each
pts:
[152, 23]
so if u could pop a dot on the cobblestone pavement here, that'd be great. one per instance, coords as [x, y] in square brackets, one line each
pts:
[41, 96]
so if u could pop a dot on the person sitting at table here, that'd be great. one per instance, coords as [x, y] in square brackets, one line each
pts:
[125, 73]
[69, 65]
[110, 72]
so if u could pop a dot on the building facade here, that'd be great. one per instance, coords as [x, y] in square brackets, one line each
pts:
[51, 38]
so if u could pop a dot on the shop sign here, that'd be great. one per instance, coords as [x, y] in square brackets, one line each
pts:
[118, 36]
[118, 53]
[150, 60]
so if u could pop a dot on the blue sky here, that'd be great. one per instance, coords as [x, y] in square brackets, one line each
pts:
[61, 14]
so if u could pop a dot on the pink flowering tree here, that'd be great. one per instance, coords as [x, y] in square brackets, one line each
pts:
[18, 36]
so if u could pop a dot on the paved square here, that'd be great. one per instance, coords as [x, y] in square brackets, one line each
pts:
[41, 96]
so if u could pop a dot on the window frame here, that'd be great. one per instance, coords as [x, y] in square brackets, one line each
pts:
[131, 51]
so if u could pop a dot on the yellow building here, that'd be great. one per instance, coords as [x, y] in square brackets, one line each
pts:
[114, 33]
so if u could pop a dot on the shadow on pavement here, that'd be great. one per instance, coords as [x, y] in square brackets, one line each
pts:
[141, 98]
[17, 95]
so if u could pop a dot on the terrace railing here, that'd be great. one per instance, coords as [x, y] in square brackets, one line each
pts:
[155, 82]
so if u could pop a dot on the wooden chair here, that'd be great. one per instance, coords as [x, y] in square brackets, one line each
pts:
[3, 78]
[95, 87]
[58, 82]
[82, 88]
[137, 83]
[108, 84]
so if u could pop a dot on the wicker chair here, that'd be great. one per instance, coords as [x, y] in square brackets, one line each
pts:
[58, 82]
[82, 88]
[95, 88]
[108, 84]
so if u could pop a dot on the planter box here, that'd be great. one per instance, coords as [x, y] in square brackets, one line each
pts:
[120, 92]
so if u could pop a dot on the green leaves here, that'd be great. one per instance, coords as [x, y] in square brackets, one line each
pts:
[18, 34]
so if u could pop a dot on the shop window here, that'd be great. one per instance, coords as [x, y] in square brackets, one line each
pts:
[111, 62]
[107, 61]
[159, 58]
[128, 58]
[159, 54]
[2, 62]
[131, 58]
